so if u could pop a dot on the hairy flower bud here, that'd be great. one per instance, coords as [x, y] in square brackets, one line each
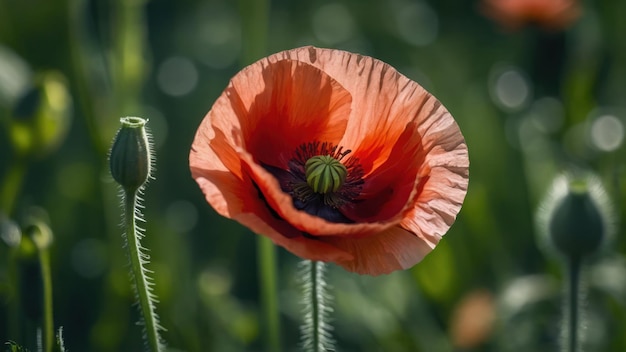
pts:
[576, 218]
[131, 154]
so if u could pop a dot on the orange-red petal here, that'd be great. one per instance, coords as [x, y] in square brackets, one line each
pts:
[277, 104]
[390, 250]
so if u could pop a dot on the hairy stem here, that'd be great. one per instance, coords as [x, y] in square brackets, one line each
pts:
[139, 273]
[316, 318]
[316, 328]
[574, 267]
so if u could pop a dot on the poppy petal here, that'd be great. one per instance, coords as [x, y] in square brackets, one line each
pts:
[387, 251]
[387, 100]
[280, 103]
[441, 197]
[388, 189]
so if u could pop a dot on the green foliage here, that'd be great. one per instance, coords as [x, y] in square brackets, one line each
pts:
[530, 103]
[14, 347]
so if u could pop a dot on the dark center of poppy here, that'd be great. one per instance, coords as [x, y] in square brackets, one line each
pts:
[321, 180]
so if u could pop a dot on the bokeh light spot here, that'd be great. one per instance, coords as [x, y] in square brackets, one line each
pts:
[214, 282]
[607, 133]
[177, 76]
[509, 88]
[10, 233]
[15, 76]
[219, 36]
[333, 24]
[417, 24]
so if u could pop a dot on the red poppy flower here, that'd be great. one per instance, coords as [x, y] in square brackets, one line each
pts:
[336, 157]
[550, 14]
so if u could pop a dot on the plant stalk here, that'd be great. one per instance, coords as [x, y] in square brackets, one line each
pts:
[573, 295]
[316, 328]
[11, 185]
[315, 307]
[266, 257]
[139, 273]
[48, 321]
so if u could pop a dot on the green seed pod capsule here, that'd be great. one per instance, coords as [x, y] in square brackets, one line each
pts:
[576, 218]
[325, 174]
[131, 156]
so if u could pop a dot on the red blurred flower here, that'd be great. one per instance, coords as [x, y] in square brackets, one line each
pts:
[394, 163]
[550, 14]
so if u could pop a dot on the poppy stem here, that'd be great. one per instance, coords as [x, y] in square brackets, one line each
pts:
[255, 22]
[316, 329]
[572, 305]
[266, 257]
[139, 274]
[48, 321]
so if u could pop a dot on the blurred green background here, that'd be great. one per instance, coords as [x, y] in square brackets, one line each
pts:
[531, 102]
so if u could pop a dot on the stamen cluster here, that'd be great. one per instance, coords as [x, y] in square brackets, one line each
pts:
[321, 179]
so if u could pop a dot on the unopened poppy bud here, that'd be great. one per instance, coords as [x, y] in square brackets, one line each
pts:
[325, 174]
[131, 156]
[41, 116]
[577, 217]
[40, 234]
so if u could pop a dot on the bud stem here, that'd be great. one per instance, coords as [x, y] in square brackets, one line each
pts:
[571, 322]
[46, 278]
[139, 273]
[316, 328]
